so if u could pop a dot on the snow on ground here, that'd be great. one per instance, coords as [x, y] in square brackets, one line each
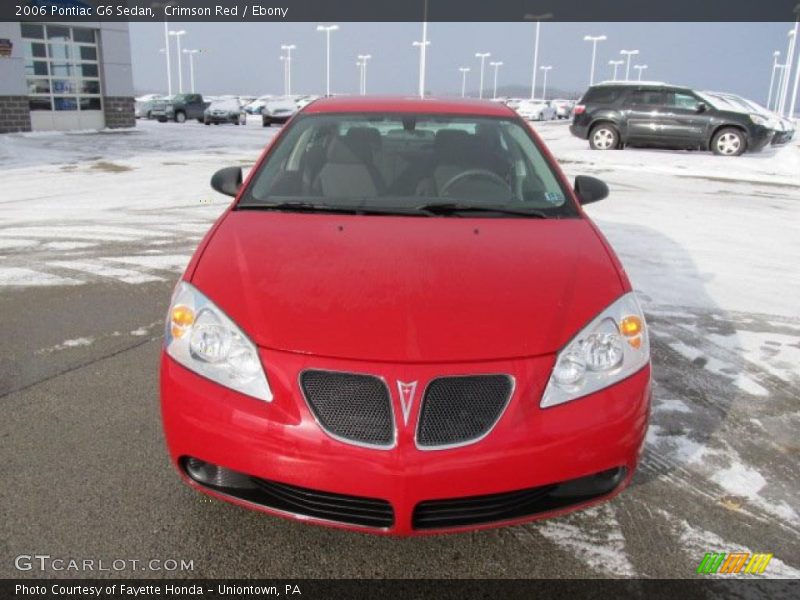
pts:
[711, 245]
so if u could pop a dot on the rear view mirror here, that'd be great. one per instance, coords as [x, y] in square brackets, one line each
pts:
[702, 107]
[590, 189]
[227, 181]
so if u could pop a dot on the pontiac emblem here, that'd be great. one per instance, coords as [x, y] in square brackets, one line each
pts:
[406, 391]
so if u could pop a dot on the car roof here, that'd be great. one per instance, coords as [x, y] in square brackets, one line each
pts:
[401, 104]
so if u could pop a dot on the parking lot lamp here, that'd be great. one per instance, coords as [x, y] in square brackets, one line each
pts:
[483, 56]
[615, 63]
[191, 54]
[363, 58]
[496, 64]
[178, 35]
[787, 73]
[594, 39]
[538, 19]
[288, 67]
[775, 56]
[640, 68]
[796, 84]
[628, 54]
[546, 69]
[327, 29]
[464, 71]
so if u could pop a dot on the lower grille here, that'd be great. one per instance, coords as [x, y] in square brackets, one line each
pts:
[474, 510]
[339, 508]
[462, 409]
[350, 407]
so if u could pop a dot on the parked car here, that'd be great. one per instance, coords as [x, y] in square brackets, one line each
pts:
[615, 115]
[143, 105]
[536, 110]
[255, 107]
[277, 110]
[179, 108]
[563, 107]
[403, 333]
[225, 111]
[783, 127]
[304, 101]
[513, 103]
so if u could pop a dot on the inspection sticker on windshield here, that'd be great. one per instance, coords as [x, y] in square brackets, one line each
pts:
[556, 198]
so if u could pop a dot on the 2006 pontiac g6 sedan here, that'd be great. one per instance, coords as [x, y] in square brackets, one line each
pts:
[406, 324]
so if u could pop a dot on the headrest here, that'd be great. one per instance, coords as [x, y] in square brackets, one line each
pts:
[340, 152]
[457, 147]
[362, 136]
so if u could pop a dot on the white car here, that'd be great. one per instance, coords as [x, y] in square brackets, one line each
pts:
[536, 110]
[277, 110]
[563, 107]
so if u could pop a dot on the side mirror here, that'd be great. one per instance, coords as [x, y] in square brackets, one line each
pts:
[702, 107]
[227, 181]
[590, 189]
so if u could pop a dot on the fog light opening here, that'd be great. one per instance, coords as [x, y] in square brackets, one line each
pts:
[216, 476]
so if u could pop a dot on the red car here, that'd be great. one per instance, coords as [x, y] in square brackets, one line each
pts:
[406, 324]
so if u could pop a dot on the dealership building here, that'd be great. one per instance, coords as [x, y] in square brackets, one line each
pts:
[65, 76]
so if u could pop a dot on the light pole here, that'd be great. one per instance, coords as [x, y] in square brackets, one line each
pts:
[594, 39]
[464, 71]
[164, 5]
[775, 56]
[360, 65]
[423, 50]
[788, 72]
[778, 85]
[422, 45]
[178, 35]
[285, 62]
[191, 54]
[363, 58]
[496, 64]
[483, 56]
[796, 84]
[615, 63]
[538, 19]
[288, 67]
[327, 29]
[546, 69]
[640, 68]
[628, 53]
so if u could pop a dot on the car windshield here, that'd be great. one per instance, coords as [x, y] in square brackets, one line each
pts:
[409, 164]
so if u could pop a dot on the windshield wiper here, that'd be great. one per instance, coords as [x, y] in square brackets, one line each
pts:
[318, 207]
[452, 208]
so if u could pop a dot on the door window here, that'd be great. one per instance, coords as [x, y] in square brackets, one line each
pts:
[646, 97]
[682, 100]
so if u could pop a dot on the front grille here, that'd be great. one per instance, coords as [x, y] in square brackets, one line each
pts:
[475, 510]
[340, 508]
[350, 407]
[462, 409]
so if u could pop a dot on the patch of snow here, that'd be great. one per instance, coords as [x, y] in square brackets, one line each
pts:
[100, 269]
[595, 537]
[13, 244]
[20, 277]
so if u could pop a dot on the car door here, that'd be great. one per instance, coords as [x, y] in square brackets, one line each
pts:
[684, 119]
[642, 108]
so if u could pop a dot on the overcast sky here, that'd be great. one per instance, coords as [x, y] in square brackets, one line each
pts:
[244, 58]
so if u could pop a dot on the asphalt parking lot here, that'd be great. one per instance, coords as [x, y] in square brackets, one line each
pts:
[94, 231]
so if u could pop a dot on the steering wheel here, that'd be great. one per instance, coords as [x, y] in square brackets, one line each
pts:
[474, 173]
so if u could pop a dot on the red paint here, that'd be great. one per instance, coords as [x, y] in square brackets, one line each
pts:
[408, 299]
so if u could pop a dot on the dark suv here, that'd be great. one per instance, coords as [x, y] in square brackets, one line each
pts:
[615, 115]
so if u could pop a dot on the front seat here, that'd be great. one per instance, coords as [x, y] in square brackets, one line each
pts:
[346, 173]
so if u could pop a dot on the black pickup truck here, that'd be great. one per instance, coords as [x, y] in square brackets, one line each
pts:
[179, 108]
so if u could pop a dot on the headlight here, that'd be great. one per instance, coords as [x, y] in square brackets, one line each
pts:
[202, 338]
[609, 349]
[758, 120]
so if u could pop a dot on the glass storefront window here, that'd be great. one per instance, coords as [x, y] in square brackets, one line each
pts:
[39, 86]
[65, 103]
[32, 31]
[62, 67]
[35, 103]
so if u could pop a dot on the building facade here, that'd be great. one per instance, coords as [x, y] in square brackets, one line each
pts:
[65, 76]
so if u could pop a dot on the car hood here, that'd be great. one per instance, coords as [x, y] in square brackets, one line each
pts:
[407, 289]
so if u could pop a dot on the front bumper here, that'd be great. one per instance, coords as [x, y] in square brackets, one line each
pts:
[759, 137]
[281, 441]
